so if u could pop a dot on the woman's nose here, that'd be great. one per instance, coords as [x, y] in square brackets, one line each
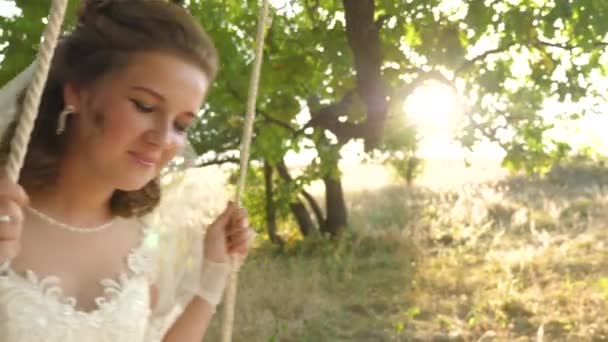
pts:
[160, 134]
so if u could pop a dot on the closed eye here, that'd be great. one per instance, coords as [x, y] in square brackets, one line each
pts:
[140, 106]
[183, 123]
[182, 128]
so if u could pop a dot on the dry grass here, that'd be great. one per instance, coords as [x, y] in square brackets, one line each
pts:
[322, 291]
[516, 260]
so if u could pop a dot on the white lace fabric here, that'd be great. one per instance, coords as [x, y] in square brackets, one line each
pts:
[169, 258]
[33, 308]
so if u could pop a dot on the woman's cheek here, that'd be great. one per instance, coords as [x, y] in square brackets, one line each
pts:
[122, 119]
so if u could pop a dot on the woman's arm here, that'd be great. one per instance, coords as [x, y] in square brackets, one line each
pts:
[192, 324]
[228, 234]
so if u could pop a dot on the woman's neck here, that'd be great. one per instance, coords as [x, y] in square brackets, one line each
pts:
[75, 198]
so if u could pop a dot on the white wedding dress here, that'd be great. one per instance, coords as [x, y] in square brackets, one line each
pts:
[33, 309]
[169, 258]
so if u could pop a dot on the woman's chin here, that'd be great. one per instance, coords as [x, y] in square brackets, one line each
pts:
[134, 185]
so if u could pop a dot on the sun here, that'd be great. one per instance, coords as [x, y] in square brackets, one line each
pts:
[433, 106]
[435, 109]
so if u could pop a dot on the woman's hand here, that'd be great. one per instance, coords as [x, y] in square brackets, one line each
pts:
[12, 199]
[228, 234]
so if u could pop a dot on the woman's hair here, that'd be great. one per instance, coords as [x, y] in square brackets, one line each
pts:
[107, 34]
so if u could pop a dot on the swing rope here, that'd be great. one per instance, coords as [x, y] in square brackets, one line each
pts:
[254, 83]
[31, 103]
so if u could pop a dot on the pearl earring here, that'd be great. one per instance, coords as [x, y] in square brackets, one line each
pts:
[63, 116]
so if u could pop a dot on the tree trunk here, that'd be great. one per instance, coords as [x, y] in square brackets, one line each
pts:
[271, 220]
[364, 41]
[298, 208]
[336, 208]
[316, 208]
[302, 217]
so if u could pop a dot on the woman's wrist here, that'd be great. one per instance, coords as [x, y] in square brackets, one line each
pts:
[213, 280]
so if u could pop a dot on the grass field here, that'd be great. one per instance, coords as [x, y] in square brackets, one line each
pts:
[499, 259]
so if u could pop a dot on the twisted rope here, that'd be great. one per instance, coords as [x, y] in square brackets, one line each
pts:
[25, 124]
[31, 102]
[254, 83]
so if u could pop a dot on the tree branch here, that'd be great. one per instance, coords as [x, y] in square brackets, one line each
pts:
[424, 76]
[490, 132]
[278, 122]
[568, 47]
[329, 113]
[329, 118]
[311, 9]
[219, 161]
[266, 116]
[284, 173]
[469, 63]
[316, 208]
[380, 21]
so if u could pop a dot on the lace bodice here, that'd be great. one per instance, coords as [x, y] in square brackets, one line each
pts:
[170, 257]
[33, 308]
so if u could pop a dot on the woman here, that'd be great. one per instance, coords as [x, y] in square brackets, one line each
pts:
[123, 89]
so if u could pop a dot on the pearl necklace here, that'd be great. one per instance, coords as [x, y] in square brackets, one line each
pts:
[83, 230]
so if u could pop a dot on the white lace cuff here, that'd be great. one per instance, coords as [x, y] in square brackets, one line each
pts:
[214, 277]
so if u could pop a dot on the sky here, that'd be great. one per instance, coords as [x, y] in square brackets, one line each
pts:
[7, 8]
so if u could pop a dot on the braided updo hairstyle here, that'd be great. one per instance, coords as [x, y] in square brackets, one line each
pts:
[107, 34]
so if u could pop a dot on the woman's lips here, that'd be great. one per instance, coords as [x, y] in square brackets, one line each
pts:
[143, 159]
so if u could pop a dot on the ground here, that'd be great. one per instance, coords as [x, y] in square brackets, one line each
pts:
[488, 259]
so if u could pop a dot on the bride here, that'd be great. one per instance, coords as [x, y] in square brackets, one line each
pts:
[90, 254]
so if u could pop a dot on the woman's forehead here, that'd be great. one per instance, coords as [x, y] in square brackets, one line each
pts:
[162, 74]
[160, 65]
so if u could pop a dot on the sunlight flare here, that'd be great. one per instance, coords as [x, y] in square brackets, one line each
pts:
[436, 111]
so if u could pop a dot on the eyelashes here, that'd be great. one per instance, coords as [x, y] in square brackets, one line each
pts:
[180, 127]
[140, 106]
[147, 109]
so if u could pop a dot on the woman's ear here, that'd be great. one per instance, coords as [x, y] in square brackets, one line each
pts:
[71, 95]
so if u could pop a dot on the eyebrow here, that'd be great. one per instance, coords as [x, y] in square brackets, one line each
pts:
[158, 96]
[149, 91]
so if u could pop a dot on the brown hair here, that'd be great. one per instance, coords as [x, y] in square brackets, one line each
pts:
[108, 32]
